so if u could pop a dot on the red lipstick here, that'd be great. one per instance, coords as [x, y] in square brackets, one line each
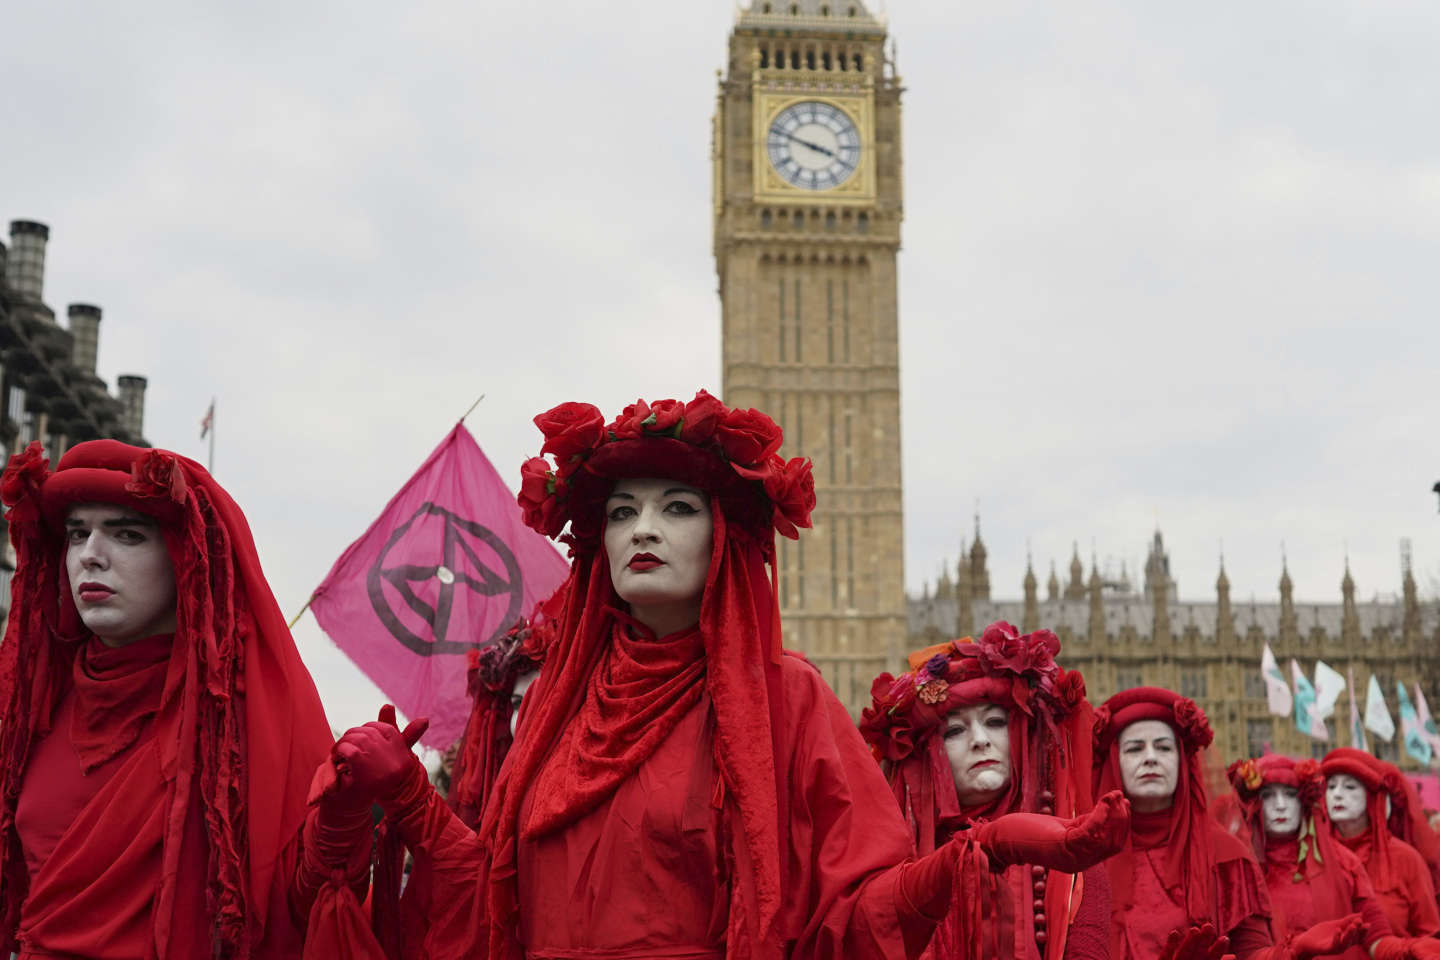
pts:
[645, 561]
[92, 592]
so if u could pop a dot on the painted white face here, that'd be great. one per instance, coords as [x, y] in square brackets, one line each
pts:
[977, 744]
[121, 578]
[517, 696]
[658, 536]
[1280, 810]
[1149, 764]
[1345, 798]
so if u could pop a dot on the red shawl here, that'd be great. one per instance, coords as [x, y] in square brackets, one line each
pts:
[236, 699]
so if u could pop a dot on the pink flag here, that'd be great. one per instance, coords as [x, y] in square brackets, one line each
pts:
[447, 567]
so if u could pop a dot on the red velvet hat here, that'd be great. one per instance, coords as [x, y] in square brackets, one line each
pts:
[1151, 703]
[1357, 763]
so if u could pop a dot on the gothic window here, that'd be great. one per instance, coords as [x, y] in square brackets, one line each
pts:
[1254, 686]
[782, 336]
[794, 59]
[1193, 684]
[830, 222]
[809, 59]
[824, 10]
[764, 219]
[858, 62]
[825, 60]
[862, 223]
[1258, 735]
[830, 341]
[1128, 679]
[764, 57]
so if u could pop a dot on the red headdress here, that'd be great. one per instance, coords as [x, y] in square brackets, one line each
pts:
[491, 683]
[240, 726]
[1366, 768]
[1189, 861]
[1249, 777]
[1407, 818]
[733, 456]
[1050, 741]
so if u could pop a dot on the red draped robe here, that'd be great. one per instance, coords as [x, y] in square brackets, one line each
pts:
[90, 820]
[1141, 927]
[648, 871]
[1301, 898]
[1407, 896]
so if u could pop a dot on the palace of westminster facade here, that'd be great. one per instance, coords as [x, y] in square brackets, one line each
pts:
[808, 204]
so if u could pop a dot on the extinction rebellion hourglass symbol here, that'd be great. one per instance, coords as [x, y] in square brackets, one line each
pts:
[424, 595]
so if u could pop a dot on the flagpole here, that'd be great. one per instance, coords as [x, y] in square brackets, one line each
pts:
[472, 407]
[296, 619]
[211, 465]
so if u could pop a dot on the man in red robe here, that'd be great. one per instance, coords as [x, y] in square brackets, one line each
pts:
[157, 727]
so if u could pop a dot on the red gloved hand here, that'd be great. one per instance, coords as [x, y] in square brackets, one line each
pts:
[1197, 943]
[1327, 937]
[1407, 948]
[372, 761]
[1068, 845]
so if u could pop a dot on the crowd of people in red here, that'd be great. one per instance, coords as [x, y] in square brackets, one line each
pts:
[646, 772]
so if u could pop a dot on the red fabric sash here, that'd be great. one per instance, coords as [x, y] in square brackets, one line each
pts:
[642, 688]
[1324, 883]
[116, 690]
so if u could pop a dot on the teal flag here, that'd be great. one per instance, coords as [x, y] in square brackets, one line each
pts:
[1416, 743]
[1307, 718]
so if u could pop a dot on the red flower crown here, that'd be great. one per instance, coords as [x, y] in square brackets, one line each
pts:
[743, 445]
[1021, 668]
[1184, 715]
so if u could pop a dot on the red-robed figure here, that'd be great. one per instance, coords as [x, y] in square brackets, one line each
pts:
[679, 786]
[973, 732]
[157, 727]
[1182, 869]
[1310, 875]
[1355, 798]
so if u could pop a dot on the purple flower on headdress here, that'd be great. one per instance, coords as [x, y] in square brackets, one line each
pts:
[937, 665]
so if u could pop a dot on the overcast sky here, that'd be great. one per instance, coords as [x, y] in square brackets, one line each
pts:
[1163, 264]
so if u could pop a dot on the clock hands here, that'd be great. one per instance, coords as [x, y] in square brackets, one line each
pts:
[813, 146]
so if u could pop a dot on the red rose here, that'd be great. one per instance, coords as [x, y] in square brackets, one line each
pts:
[1312, 785]
[24, 474]
[702, 416]
[157, 475]
[791, 488]
[538, 500]
[1102, 724]
[571, 430]
[630, 424]
[1190, 720]
[748, 437]
[665, 416]
[1069, 689]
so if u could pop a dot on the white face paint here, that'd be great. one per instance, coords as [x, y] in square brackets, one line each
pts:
[517, 697]
[1149, 764]
[1345, 801]
[977, 744]
[1280, 810]
[658, 536]
[120, 574]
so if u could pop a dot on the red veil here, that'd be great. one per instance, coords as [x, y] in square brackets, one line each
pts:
[240, 728]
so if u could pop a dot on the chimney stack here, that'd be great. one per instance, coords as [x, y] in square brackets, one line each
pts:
[132, 399]
[85, 329]
[25, 267]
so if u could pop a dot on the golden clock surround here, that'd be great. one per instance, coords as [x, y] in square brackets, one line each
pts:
[858, 189]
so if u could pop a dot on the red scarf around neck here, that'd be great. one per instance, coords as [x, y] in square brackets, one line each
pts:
[116, 690]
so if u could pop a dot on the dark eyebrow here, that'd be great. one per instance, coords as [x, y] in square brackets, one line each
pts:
[681, 490]
[627, 496]
[112, 523]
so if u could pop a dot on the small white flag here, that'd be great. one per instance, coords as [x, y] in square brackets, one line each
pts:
[1377, 715]
[1357, 729]
[1427, 722]
[1307, 718]
[1329, 684]
[1277, 691]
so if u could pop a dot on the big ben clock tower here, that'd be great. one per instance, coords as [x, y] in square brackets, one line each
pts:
[807, 227]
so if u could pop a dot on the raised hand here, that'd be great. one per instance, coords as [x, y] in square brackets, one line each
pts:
[1327, 937]
[1406, 948]
[1196, 943]
[372, 761]
[1068, 845]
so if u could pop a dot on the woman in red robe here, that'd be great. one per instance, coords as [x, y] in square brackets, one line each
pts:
[1310, 876]
[1182, 868]
[1355, 798]
[157, 727]
[680, 787]
[1407, 817]
[979, 730]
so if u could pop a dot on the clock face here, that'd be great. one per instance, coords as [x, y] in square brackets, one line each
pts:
[813, 145]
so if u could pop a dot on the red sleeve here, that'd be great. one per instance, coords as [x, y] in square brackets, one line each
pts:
[1424, 915]
[1250, 939]
[1364, 903]
[1089, 937]
[849, 846]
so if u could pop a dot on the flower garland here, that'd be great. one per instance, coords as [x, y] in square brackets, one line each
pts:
[745, 441]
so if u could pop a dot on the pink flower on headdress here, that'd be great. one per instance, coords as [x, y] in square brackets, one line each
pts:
[572, 431]
[157, 475]
[1190, 720]
[885, 724]
[1003, 648]
[933, 691]
[24, 475]
[537, 498]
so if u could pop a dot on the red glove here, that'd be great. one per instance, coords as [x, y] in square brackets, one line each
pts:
[1406, 948]
[1327, 937]
[928, 882]
[1068, 845]
[1197, 943]
[372, 763]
